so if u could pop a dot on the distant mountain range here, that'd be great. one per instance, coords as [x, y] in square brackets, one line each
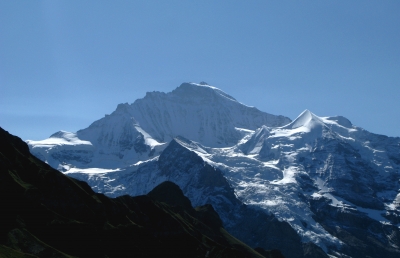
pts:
[309, 187]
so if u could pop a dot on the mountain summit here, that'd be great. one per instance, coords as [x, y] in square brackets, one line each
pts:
[199, 112]
[305, 119]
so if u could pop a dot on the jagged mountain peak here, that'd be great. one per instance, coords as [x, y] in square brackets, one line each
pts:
[190, 145]
[178, 152]
[256, 140]
[340, 120]
[189, 92]
[171, 194]
[201, 90]
[122, 107]
[62, 134]
[305, 119]
[58, 139]
[199, 112]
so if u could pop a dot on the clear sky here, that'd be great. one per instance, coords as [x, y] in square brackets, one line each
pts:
[65, 64]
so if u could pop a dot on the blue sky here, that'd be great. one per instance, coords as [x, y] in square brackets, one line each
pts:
[64, 64]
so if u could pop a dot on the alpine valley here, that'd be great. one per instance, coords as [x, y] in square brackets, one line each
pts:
[311, 187]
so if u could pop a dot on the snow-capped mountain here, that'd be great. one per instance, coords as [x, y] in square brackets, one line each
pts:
[335, 184]
[134, 132]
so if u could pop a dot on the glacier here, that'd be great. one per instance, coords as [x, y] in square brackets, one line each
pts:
[328, 179]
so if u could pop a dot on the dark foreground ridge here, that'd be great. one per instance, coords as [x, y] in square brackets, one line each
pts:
[47, 214]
